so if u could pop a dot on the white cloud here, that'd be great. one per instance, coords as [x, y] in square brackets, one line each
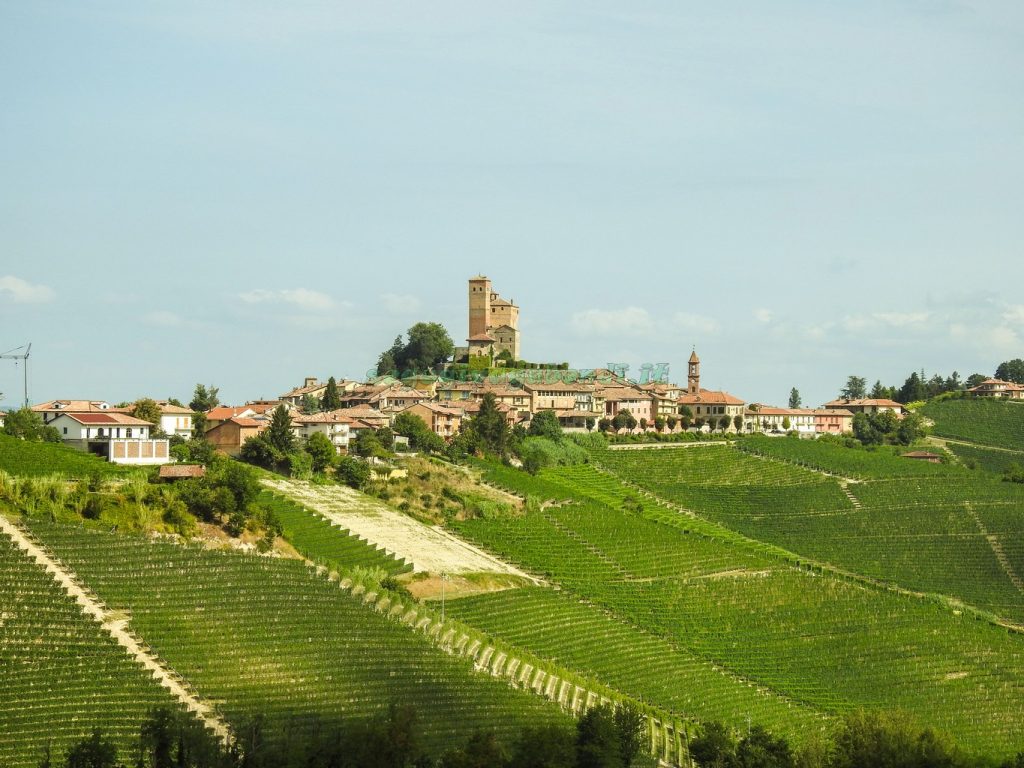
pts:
[763, 315]
[300, 297]
[631, 321]
[690, 322]
[1014, 314]
[23, 292]
[400, 304]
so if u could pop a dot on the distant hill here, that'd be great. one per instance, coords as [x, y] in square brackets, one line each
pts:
[986, 422]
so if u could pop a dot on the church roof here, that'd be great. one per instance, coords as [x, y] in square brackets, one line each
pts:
[693, 357]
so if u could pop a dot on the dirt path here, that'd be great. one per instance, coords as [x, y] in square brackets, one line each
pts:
[117, 627]
[997, 549]
[428, 547]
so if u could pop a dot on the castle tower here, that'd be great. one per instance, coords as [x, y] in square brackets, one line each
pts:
[693, 374]
[479, 305]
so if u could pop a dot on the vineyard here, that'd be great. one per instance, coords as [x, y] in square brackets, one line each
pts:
[269, 636]
[326, 544]
[977, 420]
[60, 673]
[986, 459]
[23, 457]
[744, 609]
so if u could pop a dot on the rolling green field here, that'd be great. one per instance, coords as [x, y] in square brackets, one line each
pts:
[21, 457]
[986, 459]
[60, 673]
[742, 608]
[269, 636]
[979, 420]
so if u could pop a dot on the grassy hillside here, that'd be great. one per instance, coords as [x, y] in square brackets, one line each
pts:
[979, 420]
[985, 459]
[269, 636]
[827, 644]
[60, 673]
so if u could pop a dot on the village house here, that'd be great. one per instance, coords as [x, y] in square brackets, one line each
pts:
[51, 409]
[334, 425]
[833, 421]
[230, 435]
[313, 387]
[998, 388]
[118, 437]
[440, 419]
[867, 406]
[175, 420]
[763, 418]
[631, 399]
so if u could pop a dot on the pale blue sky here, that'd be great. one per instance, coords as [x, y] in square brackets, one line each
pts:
[247, 193]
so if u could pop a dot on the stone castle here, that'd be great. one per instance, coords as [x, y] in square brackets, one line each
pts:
[493, 321]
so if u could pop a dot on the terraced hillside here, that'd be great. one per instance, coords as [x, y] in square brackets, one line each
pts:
[60, 673]
[269, 636]
[822, 643]
[979, 420]
[929, 528]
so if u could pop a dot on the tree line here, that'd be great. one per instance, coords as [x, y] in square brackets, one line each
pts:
[920, 386]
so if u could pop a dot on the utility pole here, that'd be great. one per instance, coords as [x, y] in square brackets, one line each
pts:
[9, 355]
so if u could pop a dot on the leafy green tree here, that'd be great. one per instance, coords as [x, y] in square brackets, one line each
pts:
[490, 426]
[147, 410]
[386, 437]
[483, 750]
[913, 389]
[429, 344]
[759, 749]
[545, 746]
[737, 422]
[974, 380]
[352, 472]
[545, 424]
[794, 398]
[629, 728]
[714, 747]
[855, 388]
[724, 422]
[624, 420]
[321, 451]
[786, 423]
[279, 433]
[597, 739]
[1011, 370]
[865, 431]
[368, 445]
[157, 737]
[258, 450]
[910, 429]
[390, 360]
[310, 404]
[95, 751]
[28, 425]
[204, 398]
[331, 399]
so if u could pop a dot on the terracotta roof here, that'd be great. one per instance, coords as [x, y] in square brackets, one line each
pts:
[182, 470]
[693, 357]
[766, 410]
[166, 407]
[245, 422]
[709, 397]
[989, 383]
[832, 412]
[864, 402]
[120, 419]
[325, 417]
[500, 302]
[223, 412]
[68, 406]
[615, 394]
[481, 337]
[299, 391]
[438, 408]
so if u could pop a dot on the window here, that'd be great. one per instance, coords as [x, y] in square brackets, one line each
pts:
[65, 430]
[128, 432]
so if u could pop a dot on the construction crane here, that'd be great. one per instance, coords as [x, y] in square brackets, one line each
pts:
[9, 355]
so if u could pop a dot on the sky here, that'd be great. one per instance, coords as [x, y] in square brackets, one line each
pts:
[247, 193]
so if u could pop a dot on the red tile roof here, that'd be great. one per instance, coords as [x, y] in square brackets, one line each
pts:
[182, 470]
[709, 397]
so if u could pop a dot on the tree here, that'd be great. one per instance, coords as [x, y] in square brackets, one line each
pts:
[659, 423]
[545, 424]
[629, 727]
[157, 737]
[204, 398]
[310, 404]
[974, 380]
[331, 399]
[624, 420]
[390, 359]
[786, 423]
[93, 752]
[913, 389]
[910, 429]
[490, 426]
[855, 388]
[279, 433]
[483, 750]
[258, 450]
[714, 748]
[597, 739]
[759, 749]
[147, 410]
[321, 451]
[545, 746]
[352, 472]
[724, 421]
[28, 425]
[368, 445]
[794, 398]
[1011, 370]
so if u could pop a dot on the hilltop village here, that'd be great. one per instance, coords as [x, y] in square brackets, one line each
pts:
[488, 365]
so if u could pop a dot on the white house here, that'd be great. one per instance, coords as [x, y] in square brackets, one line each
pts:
[51, 409]
[175, 419]
[118, 437]
[336, 427]
[780, 420]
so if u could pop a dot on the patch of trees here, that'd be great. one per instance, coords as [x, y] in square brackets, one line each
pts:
[427, 346]
[920, 386]
[1011, 370]
[204, 398]
[421, 437]
[1014, 474]
[26, 424]
[886, 428]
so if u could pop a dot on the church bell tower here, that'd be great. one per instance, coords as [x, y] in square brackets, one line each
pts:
[693, 374]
